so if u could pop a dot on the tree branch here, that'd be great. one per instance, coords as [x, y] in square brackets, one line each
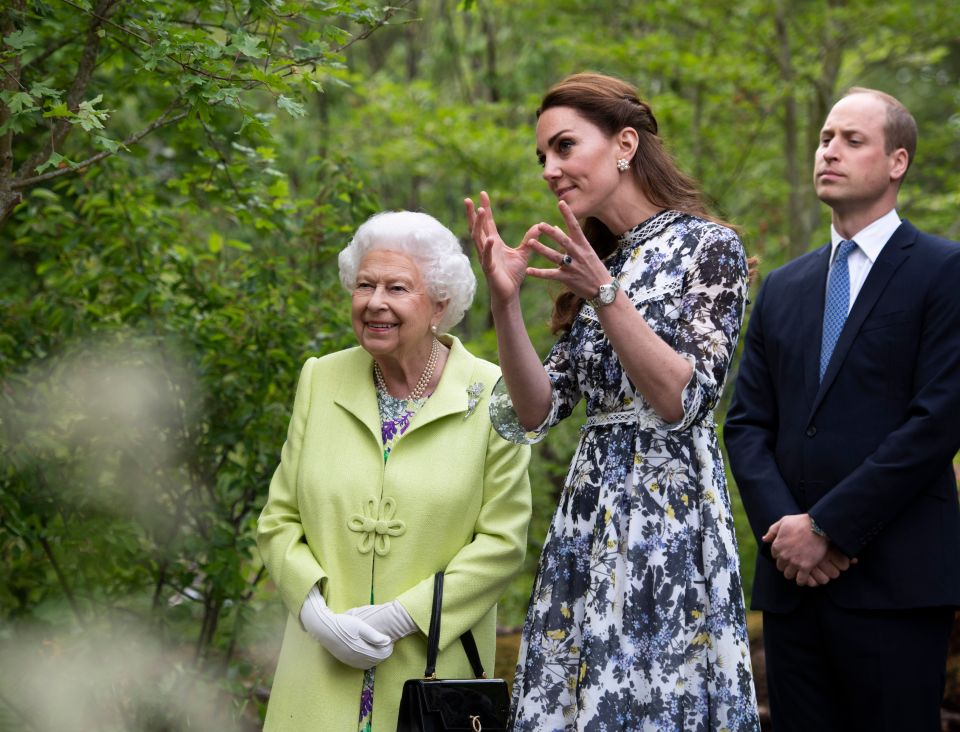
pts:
[88, 61]
[390, 11]
[100, 19]
[163, 120]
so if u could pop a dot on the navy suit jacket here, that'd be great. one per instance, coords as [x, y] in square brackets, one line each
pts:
[868, 451]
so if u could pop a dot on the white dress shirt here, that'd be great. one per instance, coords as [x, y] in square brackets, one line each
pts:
[870, 242]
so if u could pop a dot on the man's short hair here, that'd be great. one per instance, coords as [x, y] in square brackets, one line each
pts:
[900, 128]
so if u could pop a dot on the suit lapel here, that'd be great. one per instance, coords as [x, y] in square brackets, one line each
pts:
[894, 253]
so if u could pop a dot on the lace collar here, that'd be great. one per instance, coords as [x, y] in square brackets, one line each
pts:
[647, 229]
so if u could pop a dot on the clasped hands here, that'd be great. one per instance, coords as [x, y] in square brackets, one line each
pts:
[362, 637]
[803, 555]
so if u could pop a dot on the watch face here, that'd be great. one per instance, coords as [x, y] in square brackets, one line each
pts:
[607, 294]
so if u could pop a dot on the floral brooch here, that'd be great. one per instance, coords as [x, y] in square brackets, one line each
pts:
[473, 396]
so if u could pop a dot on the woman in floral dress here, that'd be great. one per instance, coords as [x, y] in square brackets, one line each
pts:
[637, 618]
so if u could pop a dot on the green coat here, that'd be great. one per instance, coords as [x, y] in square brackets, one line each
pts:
[461, 502]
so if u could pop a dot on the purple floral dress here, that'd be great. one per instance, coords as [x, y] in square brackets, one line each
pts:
[636, 621]
[395, 418]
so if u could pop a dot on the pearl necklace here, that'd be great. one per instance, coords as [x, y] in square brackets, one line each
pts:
[425, 377]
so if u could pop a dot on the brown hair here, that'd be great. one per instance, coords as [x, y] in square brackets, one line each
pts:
[612, 104]
[899, 129]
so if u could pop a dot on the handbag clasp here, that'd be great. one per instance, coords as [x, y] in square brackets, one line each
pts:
[475, 723]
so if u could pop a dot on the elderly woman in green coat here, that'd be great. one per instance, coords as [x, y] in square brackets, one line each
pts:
[390, 472]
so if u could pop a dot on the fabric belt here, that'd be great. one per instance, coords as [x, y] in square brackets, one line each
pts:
[644, 420]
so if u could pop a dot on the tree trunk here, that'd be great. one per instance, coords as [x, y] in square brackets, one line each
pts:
[10, 82]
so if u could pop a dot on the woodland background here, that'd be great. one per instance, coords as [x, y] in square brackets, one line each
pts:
[176, 179]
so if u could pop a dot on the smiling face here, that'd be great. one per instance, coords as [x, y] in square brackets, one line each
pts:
[392, 312]
[853, 172]
[579, 161]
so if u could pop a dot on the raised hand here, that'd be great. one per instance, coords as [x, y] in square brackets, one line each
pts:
[504, 267]
[583, 272]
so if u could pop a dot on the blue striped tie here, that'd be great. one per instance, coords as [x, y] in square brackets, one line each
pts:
[837, 304]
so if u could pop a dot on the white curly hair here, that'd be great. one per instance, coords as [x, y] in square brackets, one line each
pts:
[433, 248]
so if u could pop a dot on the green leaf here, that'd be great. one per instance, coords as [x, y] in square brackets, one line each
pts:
[16, 124]
[248, 45]
[291, 107]
[280, 188]
[108, 143]
[19, 40]
[90, 118]
[44, 193]
[42, 90]
[58, 110]
[17, 102]
[215, 242]
[55, 160]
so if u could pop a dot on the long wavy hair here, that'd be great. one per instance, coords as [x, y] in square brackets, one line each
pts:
[612, 104]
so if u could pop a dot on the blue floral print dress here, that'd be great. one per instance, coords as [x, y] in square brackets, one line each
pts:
[637, 621]
[395, 417]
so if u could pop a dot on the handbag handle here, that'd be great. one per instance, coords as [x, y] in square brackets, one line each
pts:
[433, 637]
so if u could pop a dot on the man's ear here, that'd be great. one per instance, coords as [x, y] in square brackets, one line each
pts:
[899, 162]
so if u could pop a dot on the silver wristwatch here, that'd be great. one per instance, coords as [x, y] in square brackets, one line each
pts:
[606, 295]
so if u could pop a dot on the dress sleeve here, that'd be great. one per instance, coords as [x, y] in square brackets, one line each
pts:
[711, 313]
[280, 535]
[564, 397]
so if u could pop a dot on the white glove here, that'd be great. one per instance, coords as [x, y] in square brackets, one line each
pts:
[391, 619]
[348, 638]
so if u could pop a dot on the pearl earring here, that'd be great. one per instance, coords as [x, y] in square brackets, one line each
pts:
[623, 165]
[433, 329]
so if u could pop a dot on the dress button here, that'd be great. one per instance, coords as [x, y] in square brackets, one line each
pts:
[811, 431]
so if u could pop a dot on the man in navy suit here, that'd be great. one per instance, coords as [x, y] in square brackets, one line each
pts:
[841, 435]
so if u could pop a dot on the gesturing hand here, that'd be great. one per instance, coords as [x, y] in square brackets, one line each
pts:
[349, 639]
[504, 267]
[578, 266]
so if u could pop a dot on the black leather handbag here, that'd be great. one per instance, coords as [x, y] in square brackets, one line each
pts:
[441, 705]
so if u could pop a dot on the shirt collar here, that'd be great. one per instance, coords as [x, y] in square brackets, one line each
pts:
[870, 240]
